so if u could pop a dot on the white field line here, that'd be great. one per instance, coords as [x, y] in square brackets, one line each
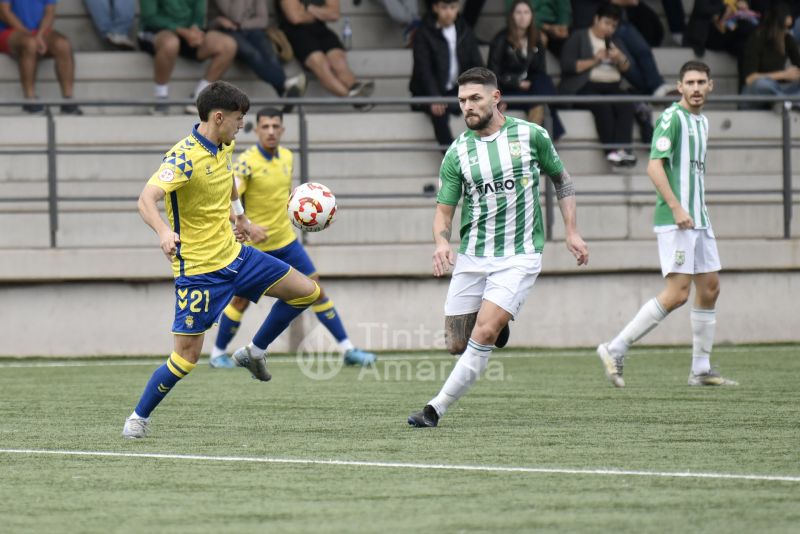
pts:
[403, 465]
[282, 359]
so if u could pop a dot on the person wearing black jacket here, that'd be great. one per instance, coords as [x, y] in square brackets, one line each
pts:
[517, 57]
[444, 46]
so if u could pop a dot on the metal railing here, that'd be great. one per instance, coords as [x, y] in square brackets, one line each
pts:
[304, 147]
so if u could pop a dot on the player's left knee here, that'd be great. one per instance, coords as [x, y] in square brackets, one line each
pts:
[485, 334]
[305, 301]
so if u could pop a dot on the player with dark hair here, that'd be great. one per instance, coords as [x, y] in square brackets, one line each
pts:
[686, 243]
[496, 164]
[264, 180]
[196, 182]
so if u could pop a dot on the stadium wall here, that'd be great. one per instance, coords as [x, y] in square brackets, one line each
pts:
[68, 303]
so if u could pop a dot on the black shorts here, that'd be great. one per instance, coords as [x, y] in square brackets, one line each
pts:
[146, 40]
[309, 38]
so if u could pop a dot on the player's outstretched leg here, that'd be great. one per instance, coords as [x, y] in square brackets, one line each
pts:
[161, 382]
[295, 292]
[612, 354]
[466, 371]
[228, 326]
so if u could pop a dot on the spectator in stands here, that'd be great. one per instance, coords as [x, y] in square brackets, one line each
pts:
[553, 18]
[643, 73]
[766, 54]
[26, 33]
[318, 48]
[517, 57]
[172, 27]
[246, 21]
[444, 46]
[715, 25]
[592, 63]
[405, 12]
[113, 20]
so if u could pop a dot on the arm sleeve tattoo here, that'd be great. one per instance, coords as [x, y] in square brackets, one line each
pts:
[564, 185]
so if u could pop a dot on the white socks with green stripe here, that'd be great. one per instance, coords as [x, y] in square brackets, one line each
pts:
[645, 320]
[703, 325]
[468, 368]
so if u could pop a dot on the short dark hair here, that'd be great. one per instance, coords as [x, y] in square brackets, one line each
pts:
[699, 66]
[433, 2]
[221, 95]
[609, 11]
[269, 113]
[479, 75]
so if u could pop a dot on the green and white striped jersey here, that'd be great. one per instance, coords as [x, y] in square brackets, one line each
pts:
[499, 178]
[681, 138]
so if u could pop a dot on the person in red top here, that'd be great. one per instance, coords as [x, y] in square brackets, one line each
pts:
[27, 34]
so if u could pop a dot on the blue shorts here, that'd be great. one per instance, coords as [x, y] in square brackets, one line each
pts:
[295, 255]
[200, 299]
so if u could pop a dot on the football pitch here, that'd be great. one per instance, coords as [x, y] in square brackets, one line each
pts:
[542, 443]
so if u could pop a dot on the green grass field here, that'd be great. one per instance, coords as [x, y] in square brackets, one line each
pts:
[551, 410]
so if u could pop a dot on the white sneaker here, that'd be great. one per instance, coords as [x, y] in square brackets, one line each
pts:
[136, 427]
[616, 158]
[190, 109]
[611, 365]
[296, 85]
[121, 41]
[711, 378]
[257, 365]
[663, 90]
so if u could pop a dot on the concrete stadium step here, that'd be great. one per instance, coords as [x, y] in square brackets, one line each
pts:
[31, 263]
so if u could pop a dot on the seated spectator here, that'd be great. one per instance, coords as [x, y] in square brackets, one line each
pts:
[406, 13]
[715, 25]
[592, 63]
[113, 20]
[174, 27]
[517, 57]
[766, 53]
[246, 21]
[444, 46]
[318, 48]
[26, 33]
[643, 73]
[553, 18]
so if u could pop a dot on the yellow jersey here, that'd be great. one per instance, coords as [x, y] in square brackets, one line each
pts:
[264, 182]
[197, 177]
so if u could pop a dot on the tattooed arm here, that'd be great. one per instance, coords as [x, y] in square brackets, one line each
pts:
[565, 193]
[443, 257]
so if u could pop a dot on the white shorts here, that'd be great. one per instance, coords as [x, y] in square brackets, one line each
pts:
[505, 281]
[688, 251]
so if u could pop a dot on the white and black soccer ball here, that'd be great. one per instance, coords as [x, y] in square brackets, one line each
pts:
[311, 207]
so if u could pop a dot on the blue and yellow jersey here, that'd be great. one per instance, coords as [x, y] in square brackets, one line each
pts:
[264, 183]
[197, 178]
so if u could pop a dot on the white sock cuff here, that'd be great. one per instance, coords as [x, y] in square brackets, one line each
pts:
[479, 348]
[345, 345]
[658, 308]
[161, 91]
[703, 316]
[256, 350]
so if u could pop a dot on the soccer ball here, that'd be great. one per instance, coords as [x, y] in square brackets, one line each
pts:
[311, 207]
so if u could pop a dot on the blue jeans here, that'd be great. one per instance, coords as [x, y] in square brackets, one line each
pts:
[768, 86]
[111, 16]
[643, 73]
[255, 49]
